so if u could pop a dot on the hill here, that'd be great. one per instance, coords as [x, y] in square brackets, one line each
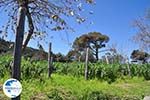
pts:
[7, 47]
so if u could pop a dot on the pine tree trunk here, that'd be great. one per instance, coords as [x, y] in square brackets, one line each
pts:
[96, 54]
[16, 73]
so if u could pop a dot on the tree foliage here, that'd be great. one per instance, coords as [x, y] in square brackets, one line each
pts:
[140, 56]
[73, 55]
[59, 57]
[93, 40]
[79, 56]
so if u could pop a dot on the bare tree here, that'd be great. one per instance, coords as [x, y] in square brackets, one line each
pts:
[42, 15]
[16, 73]
[143, 34]
[39, 13]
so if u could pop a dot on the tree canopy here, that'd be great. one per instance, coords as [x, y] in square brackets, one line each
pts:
[140, 56]
[79, 56]
[93, 40]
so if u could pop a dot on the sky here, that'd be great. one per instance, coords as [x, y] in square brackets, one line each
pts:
[110, 17]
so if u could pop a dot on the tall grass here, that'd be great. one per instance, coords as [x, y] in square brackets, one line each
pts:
[100, 71]
[68, 83]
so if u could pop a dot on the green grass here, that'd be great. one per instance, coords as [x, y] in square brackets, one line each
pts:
[68, 82]
[72, 88]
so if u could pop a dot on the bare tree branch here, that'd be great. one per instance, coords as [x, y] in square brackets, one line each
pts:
[49, 14]
[143, 35]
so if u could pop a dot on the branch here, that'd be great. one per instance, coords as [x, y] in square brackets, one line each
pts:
[31, 29]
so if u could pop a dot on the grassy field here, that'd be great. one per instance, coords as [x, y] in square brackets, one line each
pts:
[63, 87]
[106, 81]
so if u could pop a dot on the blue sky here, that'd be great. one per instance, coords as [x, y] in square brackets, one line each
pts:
[111, 17]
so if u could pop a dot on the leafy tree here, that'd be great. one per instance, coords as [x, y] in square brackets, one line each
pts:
[59, 57]
[72, 55]
[91, 57]
[140, 56]
[79, 56]
[93, 40]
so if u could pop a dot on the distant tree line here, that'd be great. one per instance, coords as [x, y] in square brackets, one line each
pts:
[95, 41]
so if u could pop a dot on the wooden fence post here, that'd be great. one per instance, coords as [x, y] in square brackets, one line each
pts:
[128, 66]
[86, 63]
[50, 60]
[16, 73]
[107, 60]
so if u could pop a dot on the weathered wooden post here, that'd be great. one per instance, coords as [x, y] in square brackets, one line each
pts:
[106, 57]
[16, 73]
[86, 63]
[128, 66]
[50, 69]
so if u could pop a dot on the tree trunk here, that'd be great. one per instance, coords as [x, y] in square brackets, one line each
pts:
[96, 54]
[16, 73]
[50, 69]
[86, 64]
